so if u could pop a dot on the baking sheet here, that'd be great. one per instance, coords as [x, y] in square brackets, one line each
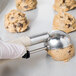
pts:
[40, 64]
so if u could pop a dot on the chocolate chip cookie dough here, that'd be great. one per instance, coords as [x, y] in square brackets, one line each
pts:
[16, 21]
[64, 5]
[25, 5]
[64, 22]
[62, 54]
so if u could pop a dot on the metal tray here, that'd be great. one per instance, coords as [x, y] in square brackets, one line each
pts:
[40, 64]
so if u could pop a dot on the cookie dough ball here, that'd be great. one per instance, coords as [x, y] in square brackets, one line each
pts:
[16, 21]
[64, 5]
[64, 22]
[25, 5]
[62, 54]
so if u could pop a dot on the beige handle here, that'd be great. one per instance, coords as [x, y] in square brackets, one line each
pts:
[25, 40]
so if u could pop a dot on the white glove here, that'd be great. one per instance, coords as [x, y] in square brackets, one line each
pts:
[11, 50]
[14, 49]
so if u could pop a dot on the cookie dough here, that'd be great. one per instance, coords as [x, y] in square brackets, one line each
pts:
[62, 54]
[25, 5]
[64, 5]
[64, 22]
[16, 21]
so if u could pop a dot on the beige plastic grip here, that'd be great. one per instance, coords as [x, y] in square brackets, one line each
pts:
[25, 40]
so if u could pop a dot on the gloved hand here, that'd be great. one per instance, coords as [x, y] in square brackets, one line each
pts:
[11, 50]
[14, 49]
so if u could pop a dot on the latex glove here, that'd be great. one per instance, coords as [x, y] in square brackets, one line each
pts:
[15, 48]
[11, 50]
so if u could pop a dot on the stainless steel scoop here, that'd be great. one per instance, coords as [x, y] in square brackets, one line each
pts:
[58, 40]
[54, 40]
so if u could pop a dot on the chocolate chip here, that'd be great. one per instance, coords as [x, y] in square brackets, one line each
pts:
[26, 21]
[70, 19]
[18, 4]
[7, 27]
[70, 46]
[25, 6]
[16, 31]
[12, 17]
[69, 25]
[20, 25]
[61, 16]
[65, 24]
[19, 14]
[69, 51]
[63, 1]
[14, 25]
[68, 7]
